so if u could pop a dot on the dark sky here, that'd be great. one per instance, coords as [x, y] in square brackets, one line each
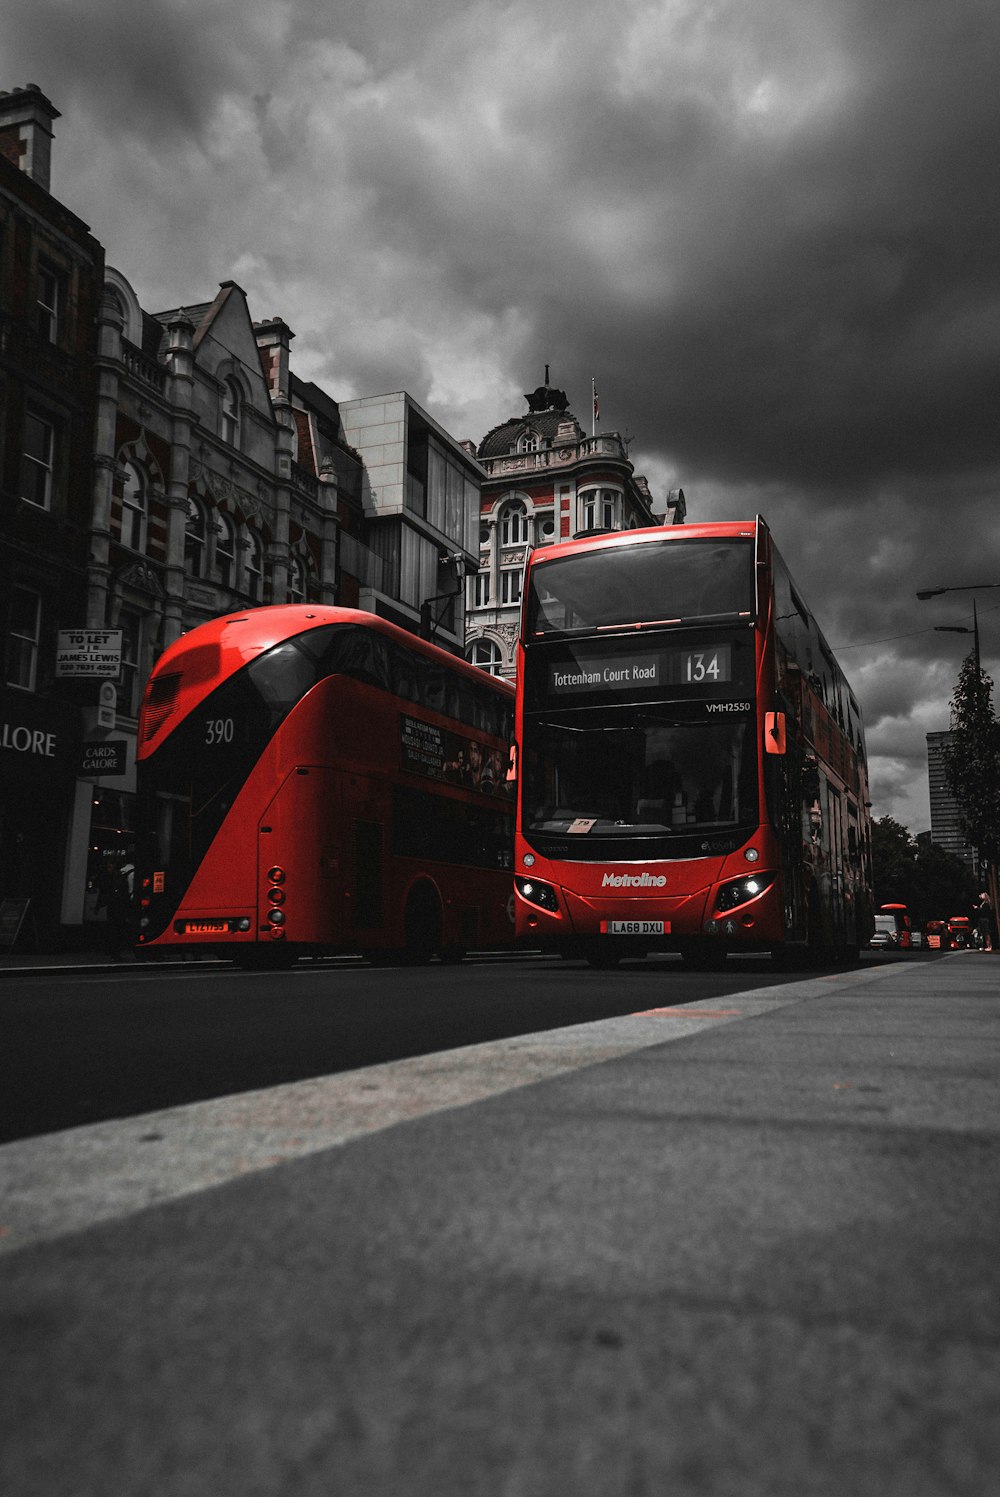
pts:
[770, 232]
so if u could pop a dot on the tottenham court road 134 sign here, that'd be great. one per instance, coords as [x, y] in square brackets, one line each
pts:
[92, 653]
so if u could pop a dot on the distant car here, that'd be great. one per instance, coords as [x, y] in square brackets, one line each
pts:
[885, 937]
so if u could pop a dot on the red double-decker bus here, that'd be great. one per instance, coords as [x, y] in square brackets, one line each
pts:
[691, 759]
[315, 780]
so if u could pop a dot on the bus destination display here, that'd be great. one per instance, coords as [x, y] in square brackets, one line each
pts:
[710, 665]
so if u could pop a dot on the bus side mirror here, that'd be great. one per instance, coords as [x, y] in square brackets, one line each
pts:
[774, 733]
[512, 765]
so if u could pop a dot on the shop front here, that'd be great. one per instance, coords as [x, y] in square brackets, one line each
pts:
[39, 750]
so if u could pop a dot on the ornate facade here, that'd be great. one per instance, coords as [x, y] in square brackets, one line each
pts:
[545, 482]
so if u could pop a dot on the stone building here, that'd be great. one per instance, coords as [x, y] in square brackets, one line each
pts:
[51, 278]
[545, 482]
[159, 469]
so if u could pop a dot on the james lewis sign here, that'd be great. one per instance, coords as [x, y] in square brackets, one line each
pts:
[93, 653]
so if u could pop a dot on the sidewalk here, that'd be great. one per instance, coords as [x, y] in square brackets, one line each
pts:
[759, 1257]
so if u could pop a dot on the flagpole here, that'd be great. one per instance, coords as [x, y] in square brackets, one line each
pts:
[593, 406]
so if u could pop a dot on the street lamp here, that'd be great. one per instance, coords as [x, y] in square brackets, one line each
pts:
[935, 592]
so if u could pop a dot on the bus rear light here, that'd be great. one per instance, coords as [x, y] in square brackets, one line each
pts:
[276, 917]
[277, 934]
[276, 896]
[243, 924]
[276, 875]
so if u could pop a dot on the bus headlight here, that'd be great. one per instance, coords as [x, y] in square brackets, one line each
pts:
[741, 891]
[535, 892]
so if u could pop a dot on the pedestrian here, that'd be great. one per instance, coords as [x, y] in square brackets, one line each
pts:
[983, 917]
[119, 901]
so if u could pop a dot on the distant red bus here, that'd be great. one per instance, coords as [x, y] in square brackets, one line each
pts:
[692, 767]
[315, 780]
[904, 928]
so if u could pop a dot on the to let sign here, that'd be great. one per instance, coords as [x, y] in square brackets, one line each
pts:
[89, 653]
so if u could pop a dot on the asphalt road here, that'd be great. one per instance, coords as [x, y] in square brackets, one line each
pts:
[86, 1046]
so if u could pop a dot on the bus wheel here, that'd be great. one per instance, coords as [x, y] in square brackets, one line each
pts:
[422, 925]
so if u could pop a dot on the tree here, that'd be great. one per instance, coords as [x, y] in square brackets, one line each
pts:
[929, 881]
[893, 857]
[972, 765]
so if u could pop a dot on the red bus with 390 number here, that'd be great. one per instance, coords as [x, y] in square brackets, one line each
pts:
[315, 780]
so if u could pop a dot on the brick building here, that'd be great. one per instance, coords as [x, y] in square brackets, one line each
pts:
[545, 482]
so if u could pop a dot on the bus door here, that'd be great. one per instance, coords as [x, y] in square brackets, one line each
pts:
[363, 835]
[298, 858]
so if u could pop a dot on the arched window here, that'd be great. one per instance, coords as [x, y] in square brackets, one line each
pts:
[528, 442]
[225, 551]
[514, 524]
[194, 540]
[486, 653]
[134, 508]
[296, 581]
[255, 566]
[232, 398]
[600, 509]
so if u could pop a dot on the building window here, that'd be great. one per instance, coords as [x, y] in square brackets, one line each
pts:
[194, 540]
[134, 509]
[49, 304]
[600, 509]
[225, 550]
[255, 567]
[481, 589]
[23, 636]
[486, 653]
[514, 525]
[37, 457]
[296, 581]
[510, 585]
[232, 397]
[545, 530]
[130, 623]
[527, 443]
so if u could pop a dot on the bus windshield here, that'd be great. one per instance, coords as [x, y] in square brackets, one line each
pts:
[651, 582]
[608, 773]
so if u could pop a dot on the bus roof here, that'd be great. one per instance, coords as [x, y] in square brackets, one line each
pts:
[215, 650]
[710, 530]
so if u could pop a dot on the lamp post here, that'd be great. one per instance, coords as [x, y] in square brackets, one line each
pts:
[976, 587]
[964, 629]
